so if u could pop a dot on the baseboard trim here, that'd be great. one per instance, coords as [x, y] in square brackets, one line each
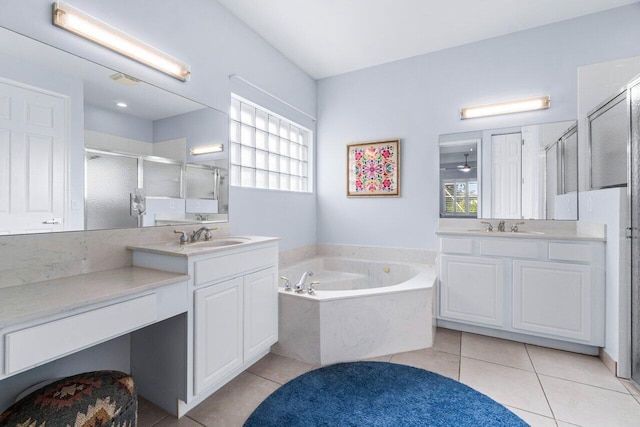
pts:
[608, 361]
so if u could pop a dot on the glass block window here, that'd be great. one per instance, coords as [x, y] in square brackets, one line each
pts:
[267, 151]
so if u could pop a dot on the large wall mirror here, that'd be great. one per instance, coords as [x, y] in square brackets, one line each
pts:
[84, 147]
[523, 172]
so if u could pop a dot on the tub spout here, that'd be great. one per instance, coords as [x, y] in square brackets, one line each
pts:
[299, 288]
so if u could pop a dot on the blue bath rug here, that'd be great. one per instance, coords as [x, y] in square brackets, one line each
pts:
[378, 394]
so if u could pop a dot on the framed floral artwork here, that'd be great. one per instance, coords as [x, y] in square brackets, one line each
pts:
[373, 168]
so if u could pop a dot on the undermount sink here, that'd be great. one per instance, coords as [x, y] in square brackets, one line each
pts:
[174, 248]
[484, 230]
[215, 243]
[219, 242]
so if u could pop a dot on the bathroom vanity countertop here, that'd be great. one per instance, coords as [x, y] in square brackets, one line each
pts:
[23, 303]
[524, 234]
[528, 229]
[218, 244]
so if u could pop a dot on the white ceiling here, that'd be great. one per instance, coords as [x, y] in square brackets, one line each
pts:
[330, 37]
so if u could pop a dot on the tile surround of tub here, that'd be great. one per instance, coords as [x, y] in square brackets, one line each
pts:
[32, 258]
[376, 253]
[296, 255]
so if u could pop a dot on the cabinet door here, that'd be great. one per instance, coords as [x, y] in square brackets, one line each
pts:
[260, 311]
[552, 298]
[471, 289]
[218, 332]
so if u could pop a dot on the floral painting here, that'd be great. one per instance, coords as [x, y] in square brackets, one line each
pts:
[373, 169]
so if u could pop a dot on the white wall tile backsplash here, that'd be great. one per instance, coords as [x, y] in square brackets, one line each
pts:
[37, 257]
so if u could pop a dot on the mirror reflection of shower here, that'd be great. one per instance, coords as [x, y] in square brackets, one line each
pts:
[129, 190]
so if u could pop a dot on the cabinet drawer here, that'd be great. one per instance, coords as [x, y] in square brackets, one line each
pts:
[211, 269]
[456, 246]
[569, 251]
[512, 248]
[33, 346]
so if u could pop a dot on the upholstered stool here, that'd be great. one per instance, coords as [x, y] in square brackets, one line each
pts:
[92, 399]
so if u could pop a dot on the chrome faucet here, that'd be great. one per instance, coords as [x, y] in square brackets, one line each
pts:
[184, 239]
[514, 227]
[195, 236]
[501, 226]
[287, 283]
[299, 288]
[312, 290]
[489, 226]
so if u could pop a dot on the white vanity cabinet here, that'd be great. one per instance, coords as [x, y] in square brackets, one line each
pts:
[472, 289]
[519, 286]
[233, 320]
[553, 298]
[218, 332]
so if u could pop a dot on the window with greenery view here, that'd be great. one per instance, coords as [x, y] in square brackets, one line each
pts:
[460, 197]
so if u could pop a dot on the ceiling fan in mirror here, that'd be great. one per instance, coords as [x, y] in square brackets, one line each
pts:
[465, 168]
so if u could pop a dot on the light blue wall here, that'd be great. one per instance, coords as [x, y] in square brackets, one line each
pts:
[419, 98]
[113, 123]
[216, 44]
[201, 127]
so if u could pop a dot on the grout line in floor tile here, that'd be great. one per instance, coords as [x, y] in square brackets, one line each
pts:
[195, 421]
[530, 412]
[268, 379]
[624, 382]
[265, 378]
[496, 363]
[546, 398]
[590, 385]
[160, 420]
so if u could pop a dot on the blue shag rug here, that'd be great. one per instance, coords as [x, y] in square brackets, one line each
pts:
[378, 394]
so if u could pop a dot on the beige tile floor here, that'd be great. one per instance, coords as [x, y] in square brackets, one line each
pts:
[542, 386]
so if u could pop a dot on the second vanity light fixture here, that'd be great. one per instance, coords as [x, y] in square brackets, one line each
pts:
[517, 106]
[206, 149]
[84, 25]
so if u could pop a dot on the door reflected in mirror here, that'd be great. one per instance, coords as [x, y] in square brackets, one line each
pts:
[87, 147]
[525, 172]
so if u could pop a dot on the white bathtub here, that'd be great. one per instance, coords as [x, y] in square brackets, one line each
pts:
[361, 309]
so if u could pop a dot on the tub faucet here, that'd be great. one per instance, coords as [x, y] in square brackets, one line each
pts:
[299, 288]
[312, 290]
[501, 226]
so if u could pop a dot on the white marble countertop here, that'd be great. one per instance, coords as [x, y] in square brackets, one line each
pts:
[23, 303]
[218, 244]
[519, 234]
[529, 229]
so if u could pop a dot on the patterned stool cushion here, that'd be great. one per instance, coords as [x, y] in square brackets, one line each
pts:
[92, 399]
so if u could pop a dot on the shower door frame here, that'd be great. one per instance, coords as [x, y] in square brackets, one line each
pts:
[632, 231]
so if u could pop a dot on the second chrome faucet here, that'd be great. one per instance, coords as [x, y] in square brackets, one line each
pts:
[299, 287]
[195, 235]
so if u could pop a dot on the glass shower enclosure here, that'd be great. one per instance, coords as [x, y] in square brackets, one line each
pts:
[117, 185]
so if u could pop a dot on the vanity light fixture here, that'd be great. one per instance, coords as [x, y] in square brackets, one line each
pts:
[206, 149]
[121, 104]
[517, 106]
[83, 25]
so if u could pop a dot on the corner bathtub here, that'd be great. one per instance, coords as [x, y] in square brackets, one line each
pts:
[361, 309]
